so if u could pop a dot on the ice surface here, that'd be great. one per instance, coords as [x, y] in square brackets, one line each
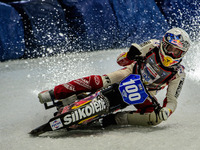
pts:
[20, 110]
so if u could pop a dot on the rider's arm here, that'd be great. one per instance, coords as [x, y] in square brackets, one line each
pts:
[127, 58]
[173, 91]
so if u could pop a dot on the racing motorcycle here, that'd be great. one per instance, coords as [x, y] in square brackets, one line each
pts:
[85, 108]
[80, 110]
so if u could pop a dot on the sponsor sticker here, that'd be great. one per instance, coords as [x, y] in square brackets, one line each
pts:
[56, 124]
[97, 106]
[145, 43]
[178, 90]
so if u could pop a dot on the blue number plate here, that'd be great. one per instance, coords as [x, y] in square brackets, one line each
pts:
[132, 90]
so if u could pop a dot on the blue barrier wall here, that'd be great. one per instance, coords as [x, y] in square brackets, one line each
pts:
[138, 21]
[92, 23]
[113, 23]
[47, 27]
[11, 33]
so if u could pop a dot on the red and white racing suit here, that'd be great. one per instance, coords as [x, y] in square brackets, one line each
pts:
[155, 77]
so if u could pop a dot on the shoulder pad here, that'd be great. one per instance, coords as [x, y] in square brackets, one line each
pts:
[148, 46]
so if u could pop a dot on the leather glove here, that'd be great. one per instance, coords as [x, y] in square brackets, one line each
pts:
[164, 113]
[133, 52]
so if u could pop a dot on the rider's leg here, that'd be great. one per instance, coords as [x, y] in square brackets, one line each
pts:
[62, 91]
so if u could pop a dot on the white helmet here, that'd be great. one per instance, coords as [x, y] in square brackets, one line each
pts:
[174, 45]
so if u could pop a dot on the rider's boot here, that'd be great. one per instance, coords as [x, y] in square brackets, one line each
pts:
[46, 96]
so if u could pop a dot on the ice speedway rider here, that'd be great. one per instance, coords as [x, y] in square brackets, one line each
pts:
[161, 67]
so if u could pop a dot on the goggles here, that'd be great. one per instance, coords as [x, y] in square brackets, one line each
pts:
[172, 51]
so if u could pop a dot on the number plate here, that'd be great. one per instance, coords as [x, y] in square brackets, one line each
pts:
[132, 90]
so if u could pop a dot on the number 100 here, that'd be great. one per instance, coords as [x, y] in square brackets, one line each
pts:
[132, 90]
